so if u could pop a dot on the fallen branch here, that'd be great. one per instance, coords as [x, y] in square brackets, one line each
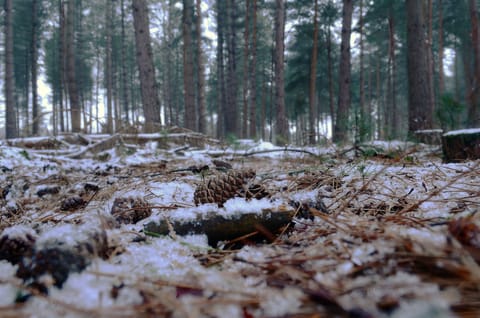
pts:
[98, 147]
[219, 228]
[278, 150]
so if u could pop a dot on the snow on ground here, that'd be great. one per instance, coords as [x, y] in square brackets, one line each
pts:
[386, 222]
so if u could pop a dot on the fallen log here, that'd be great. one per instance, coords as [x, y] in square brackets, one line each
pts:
[461, 145]
[96, 148]
[220, 228]
[165, 141]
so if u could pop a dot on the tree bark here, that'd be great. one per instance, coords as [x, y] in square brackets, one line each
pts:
[473, 112]
[281, 125]
[62, 61]
[253, 73]
[245, 70]
[231, 111]
[430, 61]
[11, 130]
[365, 115]
[420, 116]
[202, 125]
[330, 75]
[123, 59]
[108, 65]
[221, 94]
[75, 115]
[188, 74]
[148, 83]
[313, 78]
[441, 84]
[390, 120]
[341, 125]
[36, 119]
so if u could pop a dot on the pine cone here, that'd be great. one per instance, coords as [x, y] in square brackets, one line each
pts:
[220, 188]
[14, 247]
[130, 210]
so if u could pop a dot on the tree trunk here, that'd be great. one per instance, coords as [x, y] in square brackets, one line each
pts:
[61, 61]
[245, 71]
[313, 78]
[148, 83]
[34, 64]
[390, 122]
[395, 117]
[473, 112]
[281, 125]
[123, 58]
[341, 125]
[420, 116]
[169, 81]
[364, 113]
[253, 73]
[108, 65]
[231, 113]
[431, 67]
[221, 94]
[380, 127]
[11, 130]
[441, 85]
[188, 75]
[201, 72]
[263, 112]
[330, 75]
[75, 115]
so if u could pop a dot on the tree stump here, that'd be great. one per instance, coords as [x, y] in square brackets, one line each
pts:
[460, 145]
[429, 136]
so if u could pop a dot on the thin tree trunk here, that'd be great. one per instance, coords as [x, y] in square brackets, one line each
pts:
[75, 115]
[245, 71]
[364, 114]
[281, 127]
[431, 67]
[263, 115]
[330, 76]
[11, 130]
[457, 68]
[201, 72]
[34, 64]
[441, 84]
[221, 95]
[188, 74]
[168, 81]
[231, 111]
[391, 111]
[97, 89]
[340, 134]
[253, 73]
[62, 62]
[313, 78]
[148, 83]
[108, 65]
[123, 58]
[380, 130]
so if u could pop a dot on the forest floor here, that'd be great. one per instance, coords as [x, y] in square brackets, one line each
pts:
[382, 230]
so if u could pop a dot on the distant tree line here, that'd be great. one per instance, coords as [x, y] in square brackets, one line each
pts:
[287, 71]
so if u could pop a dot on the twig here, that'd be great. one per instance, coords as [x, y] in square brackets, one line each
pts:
[278, 150]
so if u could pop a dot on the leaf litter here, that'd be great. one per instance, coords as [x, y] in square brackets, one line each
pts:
[389, 233]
